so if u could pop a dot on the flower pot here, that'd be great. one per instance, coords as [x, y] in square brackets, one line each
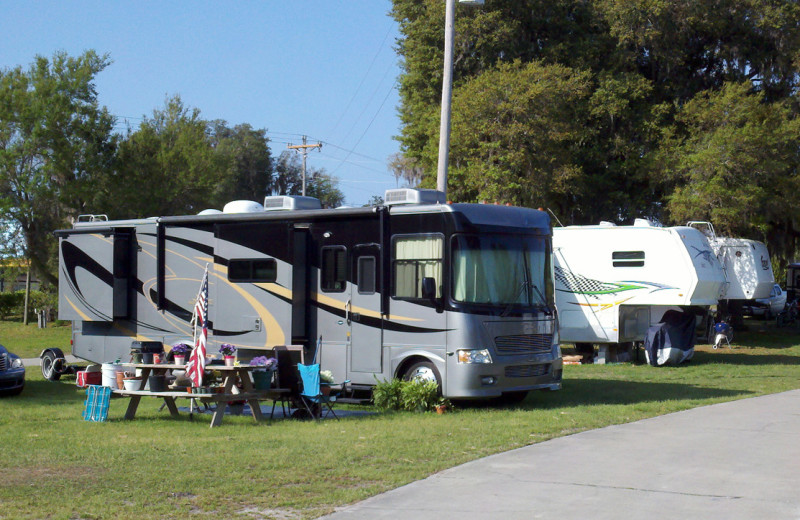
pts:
[180, 360]
[262, 379]
[229, 360]
[132, 383]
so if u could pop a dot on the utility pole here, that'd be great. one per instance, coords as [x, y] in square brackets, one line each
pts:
[303, 148]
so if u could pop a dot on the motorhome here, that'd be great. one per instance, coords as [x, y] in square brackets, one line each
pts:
[746, 264]
[614, 282]
[457, 293]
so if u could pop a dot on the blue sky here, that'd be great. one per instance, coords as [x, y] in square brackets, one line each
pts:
[323, 68]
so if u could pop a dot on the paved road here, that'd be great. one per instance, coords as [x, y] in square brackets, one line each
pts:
[736, 460]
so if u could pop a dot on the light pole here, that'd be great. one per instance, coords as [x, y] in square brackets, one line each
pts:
[447, 92]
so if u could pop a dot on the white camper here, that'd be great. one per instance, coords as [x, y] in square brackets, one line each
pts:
[746, 264]
[613, 282]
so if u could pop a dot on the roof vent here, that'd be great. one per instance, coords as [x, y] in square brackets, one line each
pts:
[210, 212]
[413, 196]
[643, 222]
[290, 202]
[242, 206]
[606, 223]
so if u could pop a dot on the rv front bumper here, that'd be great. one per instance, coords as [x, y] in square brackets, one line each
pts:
[488, 380]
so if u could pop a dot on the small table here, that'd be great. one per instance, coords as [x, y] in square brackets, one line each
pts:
[233, 376]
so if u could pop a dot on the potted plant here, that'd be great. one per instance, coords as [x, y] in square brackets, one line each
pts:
[227, 350]
[262, 373]
[179, 351]
[325, 380]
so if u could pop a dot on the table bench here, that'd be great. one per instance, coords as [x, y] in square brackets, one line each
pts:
[233, 377]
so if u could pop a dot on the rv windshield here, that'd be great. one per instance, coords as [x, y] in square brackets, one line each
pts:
[505, 270]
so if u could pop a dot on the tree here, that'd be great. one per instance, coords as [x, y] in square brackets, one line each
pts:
[168, 166]
[515, 130]
[55, 142]
[733, 159]
[249, 161]
[406, 168]
[289, 181]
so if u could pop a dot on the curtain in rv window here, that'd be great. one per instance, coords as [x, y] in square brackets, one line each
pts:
[500, 269]
[415, 258]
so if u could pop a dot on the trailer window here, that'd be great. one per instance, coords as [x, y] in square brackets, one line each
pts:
[334, 269]
[366, 275]
[256, 270]
[414, 258]
[628, 258]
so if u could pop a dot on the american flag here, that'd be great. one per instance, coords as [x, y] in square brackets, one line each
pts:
[197, 360]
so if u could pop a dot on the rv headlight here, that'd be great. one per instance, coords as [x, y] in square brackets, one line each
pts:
[474, 356]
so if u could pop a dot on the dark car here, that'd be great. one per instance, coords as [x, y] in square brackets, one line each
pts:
[12, 373]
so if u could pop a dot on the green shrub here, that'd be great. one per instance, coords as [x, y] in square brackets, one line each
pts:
[415, 395]
[419, 395]
[387, 395]
[10, 302]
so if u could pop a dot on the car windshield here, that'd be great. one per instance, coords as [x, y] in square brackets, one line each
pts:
[506, 270]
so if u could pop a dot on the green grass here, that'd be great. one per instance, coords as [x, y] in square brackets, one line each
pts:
[55, 465]
[29, 341]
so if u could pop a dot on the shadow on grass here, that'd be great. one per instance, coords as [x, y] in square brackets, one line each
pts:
[53, 391]
[742, 357]
[587, 392]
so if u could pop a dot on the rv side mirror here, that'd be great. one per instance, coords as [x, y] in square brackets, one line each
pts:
[429, 288]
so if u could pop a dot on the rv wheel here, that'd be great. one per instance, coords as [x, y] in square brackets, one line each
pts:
[49, 370]
[424, 370]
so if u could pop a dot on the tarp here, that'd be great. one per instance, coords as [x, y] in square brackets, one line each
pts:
[671, 341]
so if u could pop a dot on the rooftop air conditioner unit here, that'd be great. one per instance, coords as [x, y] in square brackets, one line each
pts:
[290, 202]
[413, 196]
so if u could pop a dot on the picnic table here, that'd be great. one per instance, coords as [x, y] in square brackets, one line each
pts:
[234, 377]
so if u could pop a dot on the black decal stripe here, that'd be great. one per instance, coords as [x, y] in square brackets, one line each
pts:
[198, 246]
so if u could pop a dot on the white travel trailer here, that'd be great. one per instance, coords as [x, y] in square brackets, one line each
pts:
[746, 264]
[614, 282]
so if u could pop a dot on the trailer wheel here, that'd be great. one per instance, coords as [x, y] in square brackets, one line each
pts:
[49, 364]
[424, 371]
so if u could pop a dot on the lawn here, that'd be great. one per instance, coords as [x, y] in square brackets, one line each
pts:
[56, 465]
[29, 341]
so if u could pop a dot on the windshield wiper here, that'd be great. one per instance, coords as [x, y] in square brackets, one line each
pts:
[522, 286]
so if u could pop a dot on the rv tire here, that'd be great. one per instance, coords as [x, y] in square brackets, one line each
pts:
[49, 366]
[424, 370]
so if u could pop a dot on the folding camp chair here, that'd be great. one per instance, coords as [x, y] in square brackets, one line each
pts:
[311, 396]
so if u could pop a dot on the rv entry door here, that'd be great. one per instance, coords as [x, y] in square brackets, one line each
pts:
[364, 310]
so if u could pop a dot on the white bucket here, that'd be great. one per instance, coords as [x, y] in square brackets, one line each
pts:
[110, 375]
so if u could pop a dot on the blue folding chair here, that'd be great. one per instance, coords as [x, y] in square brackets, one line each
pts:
[311, 396]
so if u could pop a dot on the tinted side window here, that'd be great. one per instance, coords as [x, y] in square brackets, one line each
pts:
[256, 270]
[334, 269]
[366, 275]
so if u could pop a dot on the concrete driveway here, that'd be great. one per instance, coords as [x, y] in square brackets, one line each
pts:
[736, 460]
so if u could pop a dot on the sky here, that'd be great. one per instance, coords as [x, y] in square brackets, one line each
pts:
[326, 69]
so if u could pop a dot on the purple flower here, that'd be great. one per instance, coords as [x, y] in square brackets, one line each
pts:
[227, 349]
[264, 362]
[180, 349]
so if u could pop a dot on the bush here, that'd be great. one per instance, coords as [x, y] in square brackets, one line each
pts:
[419, 395]
[387, 395]
[415, 395]
[10, 302]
